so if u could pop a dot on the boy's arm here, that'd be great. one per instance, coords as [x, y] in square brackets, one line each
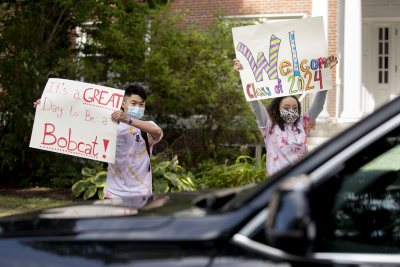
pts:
[149, 127]
[146, 126]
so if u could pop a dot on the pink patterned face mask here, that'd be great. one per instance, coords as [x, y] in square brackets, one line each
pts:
[289, 115]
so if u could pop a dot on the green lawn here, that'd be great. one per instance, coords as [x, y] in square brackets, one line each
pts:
[18, 201]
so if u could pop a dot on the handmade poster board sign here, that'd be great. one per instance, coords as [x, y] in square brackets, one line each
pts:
[74, 118]
[283, 58]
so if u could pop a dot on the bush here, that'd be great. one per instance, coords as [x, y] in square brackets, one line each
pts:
[169, 176]
[195, 92]
[93, 183]
[244, 171]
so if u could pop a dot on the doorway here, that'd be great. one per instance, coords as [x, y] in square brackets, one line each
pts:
[381, 62]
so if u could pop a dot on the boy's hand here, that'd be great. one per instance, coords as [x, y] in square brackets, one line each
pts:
[121, 116]
[237, 65]
[36, 103]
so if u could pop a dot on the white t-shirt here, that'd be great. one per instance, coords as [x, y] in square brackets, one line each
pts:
[131, 174]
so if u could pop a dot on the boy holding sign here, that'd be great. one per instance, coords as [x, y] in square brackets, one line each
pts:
[131, 174]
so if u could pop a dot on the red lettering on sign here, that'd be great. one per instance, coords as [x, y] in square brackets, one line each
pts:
[250, 85]
[102, 97]
[67, 143]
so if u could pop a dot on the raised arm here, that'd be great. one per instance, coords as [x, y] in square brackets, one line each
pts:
[317, 106]
[319, 101]
[149, 127]
[260, 112]
[258, 108]
[146, 126]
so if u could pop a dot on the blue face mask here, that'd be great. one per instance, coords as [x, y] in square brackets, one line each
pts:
[135, 112]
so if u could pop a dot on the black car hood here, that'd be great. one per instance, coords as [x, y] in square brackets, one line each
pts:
[161, 217]
[139, 206]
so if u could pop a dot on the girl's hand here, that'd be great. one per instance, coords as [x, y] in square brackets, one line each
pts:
[237, 65]
[333, 61]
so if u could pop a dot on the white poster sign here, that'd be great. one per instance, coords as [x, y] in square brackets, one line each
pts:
[74, 118]
[283, 58]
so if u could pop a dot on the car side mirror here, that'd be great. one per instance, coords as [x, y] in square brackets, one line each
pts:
[289, 225]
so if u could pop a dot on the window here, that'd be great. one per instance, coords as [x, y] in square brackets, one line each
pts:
[240, 20]
[362, 211]
[383, 55]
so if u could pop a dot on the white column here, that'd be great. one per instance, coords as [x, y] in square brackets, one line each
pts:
[340, 66]
[352, 62]
[320, 8]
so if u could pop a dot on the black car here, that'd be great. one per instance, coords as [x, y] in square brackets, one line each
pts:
[338, 206]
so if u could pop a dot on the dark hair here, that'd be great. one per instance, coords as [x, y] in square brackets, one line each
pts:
[274, 112]
[136, 89]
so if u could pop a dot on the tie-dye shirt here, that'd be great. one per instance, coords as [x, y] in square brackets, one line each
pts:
[285, 147]
[131, 174]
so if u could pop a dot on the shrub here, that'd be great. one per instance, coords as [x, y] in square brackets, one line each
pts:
[93, 183]
[169, 176]
[244, 171]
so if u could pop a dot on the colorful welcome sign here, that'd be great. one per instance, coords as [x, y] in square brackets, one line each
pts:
[74, 118]
[283, 58]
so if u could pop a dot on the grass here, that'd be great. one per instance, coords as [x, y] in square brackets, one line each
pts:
[19, 201]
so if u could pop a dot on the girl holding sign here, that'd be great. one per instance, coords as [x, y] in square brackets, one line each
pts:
[283, 127]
